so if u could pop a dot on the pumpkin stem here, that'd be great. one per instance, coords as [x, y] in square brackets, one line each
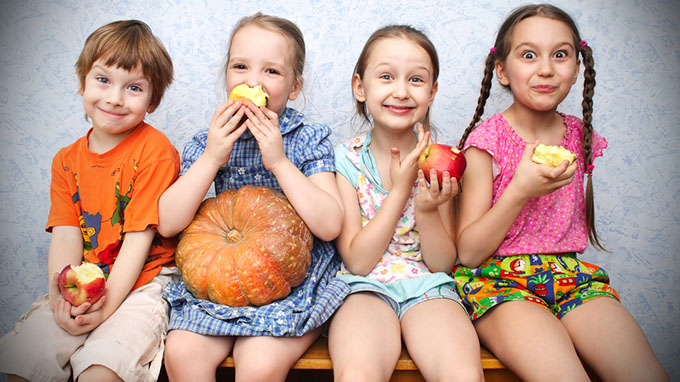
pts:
[234, 236]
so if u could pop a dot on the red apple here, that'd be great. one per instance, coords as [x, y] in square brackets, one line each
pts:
[442, 158]
[82, 283]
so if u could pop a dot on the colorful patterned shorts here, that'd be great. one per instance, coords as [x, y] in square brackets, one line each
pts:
[558, 282]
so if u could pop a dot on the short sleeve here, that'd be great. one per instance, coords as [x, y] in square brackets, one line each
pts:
[599, 144]
[485, 136]
[155, 175]
[193, 149]
[344, 165]
[62, 211]
[314, 149]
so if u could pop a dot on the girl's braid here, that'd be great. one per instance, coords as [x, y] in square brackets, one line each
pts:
[587, 104]
[483, 96]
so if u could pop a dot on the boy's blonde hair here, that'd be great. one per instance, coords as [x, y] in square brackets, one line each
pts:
[126, 44]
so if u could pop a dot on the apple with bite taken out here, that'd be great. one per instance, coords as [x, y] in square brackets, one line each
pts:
[442, 158]
[82, 283]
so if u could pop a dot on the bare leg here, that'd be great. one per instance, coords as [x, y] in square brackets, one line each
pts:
[98, 373]
[364, 340]
[194, 357]
[262, 358]
[530, 341]
[608, 338]
[442, 341]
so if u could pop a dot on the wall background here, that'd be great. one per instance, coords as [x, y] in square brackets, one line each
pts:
[637, 108]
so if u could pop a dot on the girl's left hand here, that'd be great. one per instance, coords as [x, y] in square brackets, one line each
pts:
[429, 198]
[403, 171]
[264, 125]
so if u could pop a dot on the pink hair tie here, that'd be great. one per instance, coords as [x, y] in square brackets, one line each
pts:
[492, 50]
[589, 169]
[582, 44]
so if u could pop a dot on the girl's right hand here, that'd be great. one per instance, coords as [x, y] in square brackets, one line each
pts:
[224, 131]
[533, 180]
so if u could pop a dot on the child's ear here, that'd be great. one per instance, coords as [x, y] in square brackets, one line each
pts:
[358, 88]
[297, 88]
[433, 92]
[578, 67]
[501, 74]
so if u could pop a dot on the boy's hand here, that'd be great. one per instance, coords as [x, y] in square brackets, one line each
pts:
[224, 131]
[264, 125]
[429, 198]
[76, 320]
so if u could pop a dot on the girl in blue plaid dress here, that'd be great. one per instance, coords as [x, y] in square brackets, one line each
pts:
[272, 146]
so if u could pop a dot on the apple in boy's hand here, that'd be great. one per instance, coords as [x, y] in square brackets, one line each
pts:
[442, 158]
[82, 283]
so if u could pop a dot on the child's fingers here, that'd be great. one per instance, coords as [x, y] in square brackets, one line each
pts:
[422, 183]
[434, 182]
[226, 113]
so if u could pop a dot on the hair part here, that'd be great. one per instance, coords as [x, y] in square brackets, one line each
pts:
[128, 44]
[280, 25]
[396, 31]
[500, 53]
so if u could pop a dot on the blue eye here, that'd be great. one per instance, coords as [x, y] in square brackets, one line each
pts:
[135, 88]
[385, 76]
[102, 79]
[417, 79]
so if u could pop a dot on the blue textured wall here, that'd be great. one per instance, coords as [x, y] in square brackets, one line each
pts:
[637, 107]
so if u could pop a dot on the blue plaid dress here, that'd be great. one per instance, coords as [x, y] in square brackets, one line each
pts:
[308, 305]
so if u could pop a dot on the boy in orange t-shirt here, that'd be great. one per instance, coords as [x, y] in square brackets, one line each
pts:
[104, 210]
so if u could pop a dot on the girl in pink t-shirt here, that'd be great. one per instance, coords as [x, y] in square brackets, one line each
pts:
[521, 224]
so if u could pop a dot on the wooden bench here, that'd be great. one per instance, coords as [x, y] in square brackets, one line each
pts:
[315, 365]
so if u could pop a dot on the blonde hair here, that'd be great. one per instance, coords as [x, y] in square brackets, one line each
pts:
[127, 44]
[280, 25]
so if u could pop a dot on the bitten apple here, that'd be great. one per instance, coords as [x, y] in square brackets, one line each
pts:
[442, 158]
[552, 155]
[82, 283]
[255, 94]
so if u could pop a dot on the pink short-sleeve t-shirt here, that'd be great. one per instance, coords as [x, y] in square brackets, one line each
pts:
[552, 223]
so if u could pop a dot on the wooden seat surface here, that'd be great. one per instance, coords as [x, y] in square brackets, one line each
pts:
[317, 358]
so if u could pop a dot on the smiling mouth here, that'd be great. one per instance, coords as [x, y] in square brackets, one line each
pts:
[112, 113]
[399, 109]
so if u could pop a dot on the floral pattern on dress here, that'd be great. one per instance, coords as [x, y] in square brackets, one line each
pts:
[402, 258]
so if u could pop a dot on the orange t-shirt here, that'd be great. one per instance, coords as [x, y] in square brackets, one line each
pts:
[109, 194]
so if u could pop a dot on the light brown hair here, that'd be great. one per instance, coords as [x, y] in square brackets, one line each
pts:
[286, 28]
[500, 53]
[396, 31]
[126, 44]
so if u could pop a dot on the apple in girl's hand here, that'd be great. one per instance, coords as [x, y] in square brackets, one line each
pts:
[442, 158]
[552, 155]
[255, 94]
[82, 283]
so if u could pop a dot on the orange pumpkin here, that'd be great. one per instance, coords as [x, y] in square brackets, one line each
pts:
[245, 246]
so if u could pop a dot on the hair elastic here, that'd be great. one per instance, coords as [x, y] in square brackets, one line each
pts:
[589, 169]
[492, 50]
[582, 44]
